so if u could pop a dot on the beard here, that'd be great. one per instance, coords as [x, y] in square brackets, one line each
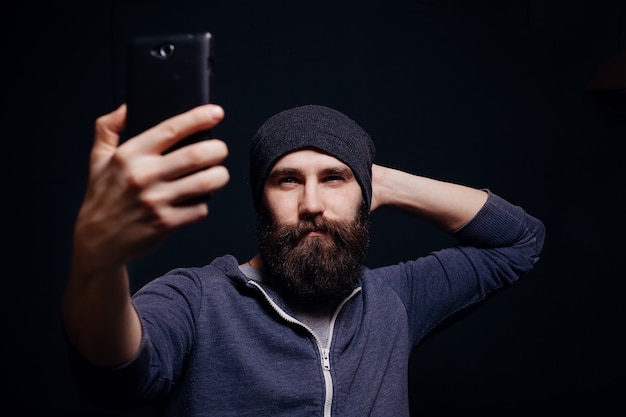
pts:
[314, 270]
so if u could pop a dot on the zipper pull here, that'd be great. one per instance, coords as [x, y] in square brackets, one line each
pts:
[326, 359]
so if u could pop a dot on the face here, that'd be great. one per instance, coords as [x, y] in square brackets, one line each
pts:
[308, 183]
[313, 229]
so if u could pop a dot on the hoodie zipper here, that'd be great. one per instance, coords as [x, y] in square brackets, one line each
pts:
[324, 351]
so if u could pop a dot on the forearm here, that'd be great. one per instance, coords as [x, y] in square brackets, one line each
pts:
[446, 204]
[98, 315]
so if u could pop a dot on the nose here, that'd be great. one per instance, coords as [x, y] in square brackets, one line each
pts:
[311, 203]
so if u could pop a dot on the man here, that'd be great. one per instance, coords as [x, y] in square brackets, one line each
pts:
[303, 328]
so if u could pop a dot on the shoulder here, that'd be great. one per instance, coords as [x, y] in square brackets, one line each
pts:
[224, 269]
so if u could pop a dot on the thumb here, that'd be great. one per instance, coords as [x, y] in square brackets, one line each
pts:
[107, 134]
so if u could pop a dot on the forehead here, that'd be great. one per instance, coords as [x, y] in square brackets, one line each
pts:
[308, 158]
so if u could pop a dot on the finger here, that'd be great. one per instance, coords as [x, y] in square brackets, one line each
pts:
[178, 216]
[185, 189]
[107, 135]
[196, 187]
[109, 126]
[192, 158]
[171, 131]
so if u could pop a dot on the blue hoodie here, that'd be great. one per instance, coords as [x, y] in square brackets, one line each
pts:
[216, 343]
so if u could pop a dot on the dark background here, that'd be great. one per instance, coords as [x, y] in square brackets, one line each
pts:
[486, 93]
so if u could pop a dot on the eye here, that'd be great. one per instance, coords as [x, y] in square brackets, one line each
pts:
[287, 181]
[333, 178]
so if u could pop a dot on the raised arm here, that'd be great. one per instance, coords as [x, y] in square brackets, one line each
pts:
[446, 204]
[136, 197]
[498, 243]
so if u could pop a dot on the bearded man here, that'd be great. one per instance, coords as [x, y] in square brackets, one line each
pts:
[303, 328]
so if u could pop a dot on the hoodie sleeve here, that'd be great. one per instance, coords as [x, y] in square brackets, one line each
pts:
[498, 246]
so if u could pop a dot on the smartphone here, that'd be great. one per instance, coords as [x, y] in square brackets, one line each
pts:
[167, 75]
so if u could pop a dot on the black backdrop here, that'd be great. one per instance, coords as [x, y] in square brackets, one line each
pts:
[486, 93]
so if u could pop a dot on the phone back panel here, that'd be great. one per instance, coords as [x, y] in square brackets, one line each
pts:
[167, 75]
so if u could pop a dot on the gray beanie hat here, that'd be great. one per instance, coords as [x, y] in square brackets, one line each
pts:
[316, 127]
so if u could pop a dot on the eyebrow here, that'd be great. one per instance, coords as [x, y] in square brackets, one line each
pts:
[288, 171]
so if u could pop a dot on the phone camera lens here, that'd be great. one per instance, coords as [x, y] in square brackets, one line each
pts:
[164, 51]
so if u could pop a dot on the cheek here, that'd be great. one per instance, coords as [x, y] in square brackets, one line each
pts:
[345, 207]
[282, 210]
[352, 198]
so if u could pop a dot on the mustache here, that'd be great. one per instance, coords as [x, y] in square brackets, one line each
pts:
[317, 224]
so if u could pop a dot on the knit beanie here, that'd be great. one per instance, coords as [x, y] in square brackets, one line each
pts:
[315, 127]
